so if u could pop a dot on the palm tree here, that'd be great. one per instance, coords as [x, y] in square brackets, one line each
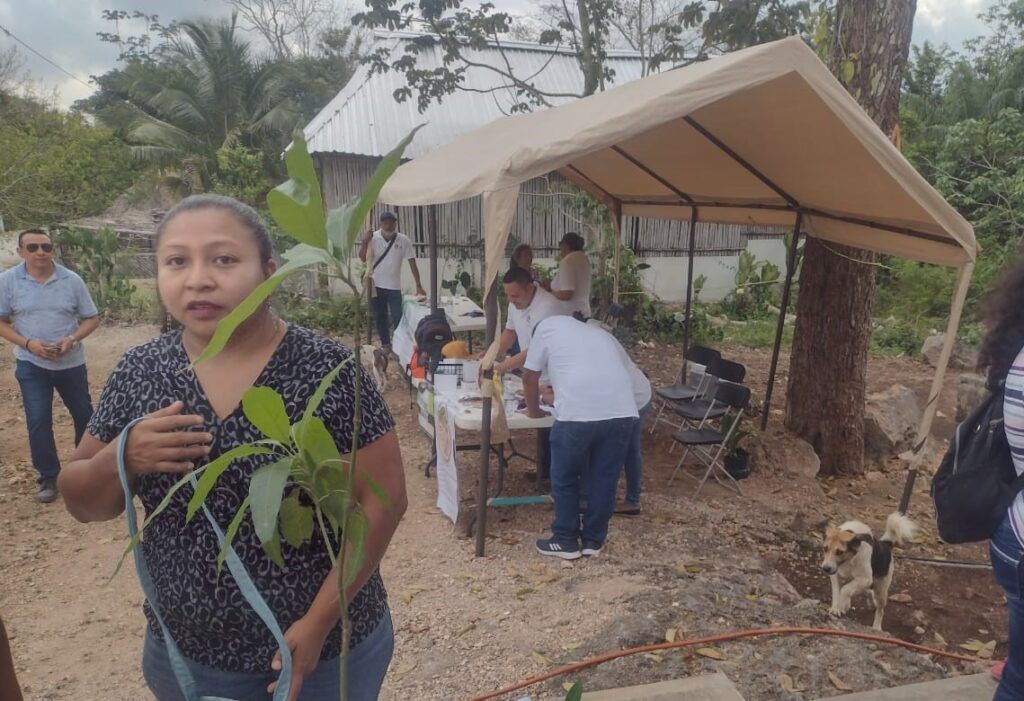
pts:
[213, 92]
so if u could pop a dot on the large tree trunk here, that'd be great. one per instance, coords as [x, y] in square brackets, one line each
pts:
[825, 399]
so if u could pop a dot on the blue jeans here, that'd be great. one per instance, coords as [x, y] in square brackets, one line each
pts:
[367, 664]
[37, 385]
[634, 465]
[586, 456]
[385, 301]
[1007, 558]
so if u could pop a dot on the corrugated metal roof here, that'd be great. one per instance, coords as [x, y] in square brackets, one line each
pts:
[364, 118]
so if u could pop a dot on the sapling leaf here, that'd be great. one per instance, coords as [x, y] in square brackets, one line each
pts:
[296, 258]
[265, 492]
[321, 390]
[315, 439]
[371, 190]
[273, 550]
[575, 692]
[356, 530]
[229, 534]
[213, 472]
[296, 204]
[296, 521]
[265, 410]
[337, 229]
[156, 512]
[332, 495]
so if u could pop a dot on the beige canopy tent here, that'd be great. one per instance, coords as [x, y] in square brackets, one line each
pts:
[764, 136]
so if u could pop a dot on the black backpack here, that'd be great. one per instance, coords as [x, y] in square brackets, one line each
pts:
[976, 481]
[431, 335]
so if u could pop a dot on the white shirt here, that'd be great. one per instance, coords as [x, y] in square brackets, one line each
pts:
[641, 385]
[389, 273]
[522, 321]
[574, 274]
[589, 370]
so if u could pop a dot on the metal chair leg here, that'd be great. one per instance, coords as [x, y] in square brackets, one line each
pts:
[679, 464]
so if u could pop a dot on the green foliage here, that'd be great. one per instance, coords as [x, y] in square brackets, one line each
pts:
[895, 337]
[56, 166]
[575, 692]
[667, 36]
[756, 333]
[654, 319]
[756, 289]
[737, 435]
[97, 256]
[241, 173]
[329, 314]
[206, 90]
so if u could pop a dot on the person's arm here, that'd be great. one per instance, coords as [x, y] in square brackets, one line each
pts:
[531, 390]
[381, 461]
[87, 327]
[510, 364]
[416, 276]
[89, 482]
[32, 345]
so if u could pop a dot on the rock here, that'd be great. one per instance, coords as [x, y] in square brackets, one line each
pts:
[890, 420]
[779, 451]
[970, 391]
[962, 357]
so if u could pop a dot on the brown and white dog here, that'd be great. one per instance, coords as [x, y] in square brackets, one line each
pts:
[375, 362]
[856, 562]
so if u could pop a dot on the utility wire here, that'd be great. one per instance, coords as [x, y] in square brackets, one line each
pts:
[60, 68]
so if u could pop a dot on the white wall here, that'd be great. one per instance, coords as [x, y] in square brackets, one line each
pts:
[666, 277]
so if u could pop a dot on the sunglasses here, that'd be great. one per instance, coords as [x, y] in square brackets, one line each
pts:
[33, 247]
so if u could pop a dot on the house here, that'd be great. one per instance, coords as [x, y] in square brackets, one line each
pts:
[364, 121]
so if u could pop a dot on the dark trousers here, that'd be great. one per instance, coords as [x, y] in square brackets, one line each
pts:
[385, 301]
[586, 457]
[37, 385]
[1008, 567]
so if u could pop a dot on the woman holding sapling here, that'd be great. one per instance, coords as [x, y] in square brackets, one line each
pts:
[211, 252]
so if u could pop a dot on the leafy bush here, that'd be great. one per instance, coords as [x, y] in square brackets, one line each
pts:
[241, 173]
[756, 289]
[333, 315]
[97, 256]
[757, 333]
[898, 338]
[654, 319]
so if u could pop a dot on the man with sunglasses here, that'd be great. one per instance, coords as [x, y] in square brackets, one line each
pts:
[46, 311]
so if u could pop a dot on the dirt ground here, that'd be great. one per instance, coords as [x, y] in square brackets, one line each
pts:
[466, 626]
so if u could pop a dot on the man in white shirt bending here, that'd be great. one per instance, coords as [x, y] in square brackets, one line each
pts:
[528, 305]
[595, 414]
[390, 248]
[571, 283]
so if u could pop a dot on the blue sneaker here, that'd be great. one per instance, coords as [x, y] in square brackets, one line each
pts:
[592, 547]
[549, 546]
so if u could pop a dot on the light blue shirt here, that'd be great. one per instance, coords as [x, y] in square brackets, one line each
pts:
[46, 311]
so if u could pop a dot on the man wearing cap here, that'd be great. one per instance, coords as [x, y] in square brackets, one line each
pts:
[571, 283]
[46, 311]
[390, 248]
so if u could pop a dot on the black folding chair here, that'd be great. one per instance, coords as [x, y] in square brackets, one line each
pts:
[681, 390]
[699, 409]
[709, 443]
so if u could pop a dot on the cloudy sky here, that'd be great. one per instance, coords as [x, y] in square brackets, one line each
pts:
[65, 31]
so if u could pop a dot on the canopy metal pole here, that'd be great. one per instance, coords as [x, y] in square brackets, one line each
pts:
[617, 226]
[491, 311]
[780, 327]
[432, 248]
[691, 249]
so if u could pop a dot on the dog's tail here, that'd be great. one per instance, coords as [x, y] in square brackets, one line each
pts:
[898, 529]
